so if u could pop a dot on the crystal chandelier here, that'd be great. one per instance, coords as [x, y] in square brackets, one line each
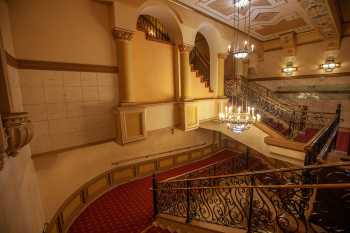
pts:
[242, 51]
[239, 117]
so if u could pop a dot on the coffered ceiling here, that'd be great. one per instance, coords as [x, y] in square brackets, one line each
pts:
[269, 18]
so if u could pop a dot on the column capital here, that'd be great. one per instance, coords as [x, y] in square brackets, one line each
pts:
[222, 55]
[185, 47]
[122, 34]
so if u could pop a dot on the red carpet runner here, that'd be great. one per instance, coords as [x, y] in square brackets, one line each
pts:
[128, 208]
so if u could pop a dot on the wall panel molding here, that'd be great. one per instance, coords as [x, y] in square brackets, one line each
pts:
[58, 66]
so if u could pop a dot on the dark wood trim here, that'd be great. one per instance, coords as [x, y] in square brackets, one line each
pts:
[58, 66]
[331, 75]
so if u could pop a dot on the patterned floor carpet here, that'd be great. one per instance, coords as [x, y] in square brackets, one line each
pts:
[128, 208]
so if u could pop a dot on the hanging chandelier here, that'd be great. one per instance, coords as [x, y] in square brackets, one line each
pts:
[238, 115]
[242, 50]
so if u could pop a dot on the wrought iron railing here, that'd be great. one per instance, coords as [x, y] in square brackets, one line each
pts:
[324, 141]
[276, 200]
[295, 117]
[200, 63]
[153, 29]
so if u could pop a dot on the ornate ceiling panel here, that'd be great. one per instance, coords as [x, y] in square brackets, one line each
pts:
[269, 18]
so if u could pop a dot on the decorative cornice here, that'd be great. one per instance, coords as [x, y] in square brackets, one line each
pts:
[299, 77]
[185, 47]
[58, 66]
[122, 34]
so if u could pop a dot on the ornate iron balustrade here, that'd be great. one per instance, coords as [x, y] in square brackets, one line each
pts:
[153, 29]
[264, 201]
[324, 142]
[295, 116]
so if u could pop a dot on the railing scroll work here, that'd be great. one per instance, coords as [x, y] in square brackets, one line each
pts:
[279, 200]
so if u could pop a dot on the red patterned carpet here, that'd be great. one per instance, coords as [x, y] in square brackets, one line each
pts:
[128, 208]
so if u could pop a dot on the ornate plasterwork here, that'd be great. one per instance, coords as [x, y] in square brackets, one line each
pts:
[122, 34]
[321, 17]
[185, 48]
[269, 18]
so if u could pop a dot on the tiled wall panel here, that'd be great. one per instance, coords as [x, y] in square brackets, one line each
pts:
[68, 108]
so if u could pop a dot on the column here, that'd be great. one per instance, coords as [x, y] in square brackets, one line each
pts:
[221, 74]
[185, 72]
[124, 57]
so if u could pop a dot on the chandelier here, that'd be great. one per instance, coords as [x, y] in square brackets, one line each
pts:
[238, 116]
[241, 50]
[241, 116]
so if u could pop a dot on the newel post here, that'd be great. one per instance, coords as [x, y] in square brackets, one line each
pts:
[155, 195]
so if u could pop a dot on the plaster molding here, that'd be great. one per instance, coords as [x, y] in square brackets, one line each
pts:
[122, 34]
[323, 19]
[185, 47]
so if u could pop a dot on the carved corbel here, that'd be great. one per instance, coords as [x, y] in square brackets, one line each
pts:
[17, 132]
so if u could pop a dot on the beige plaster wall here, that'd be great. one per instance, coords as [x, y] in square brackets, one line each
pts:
[80, 165]
[308, 58]
[153, 70]
[20, 200]
[76, 31]
[68, 108]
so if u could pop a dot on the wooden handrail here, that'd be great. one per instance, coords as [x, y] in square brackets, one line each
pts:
[285, 186]
[319, 134]
[310, 167]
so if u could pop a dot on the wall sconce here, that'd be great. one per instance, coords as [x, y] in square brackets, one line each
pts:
[330, 65]
[289, 69]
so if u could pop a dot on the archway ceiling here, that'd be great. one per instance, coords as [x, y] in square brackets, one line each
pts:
[269, 18]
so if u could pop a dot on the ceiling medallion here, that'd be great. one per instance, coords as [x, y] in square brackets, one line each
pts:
[330, 65]
[241, 50]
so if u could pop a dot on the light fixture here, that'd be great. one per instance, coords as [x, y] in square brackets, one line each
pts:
[241, 3]
[330, 65]
[241, 51]
[289, 69]
[238, 119]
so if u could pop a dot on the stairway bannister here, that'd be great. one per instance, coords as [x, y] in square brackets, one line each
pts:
[257, 202]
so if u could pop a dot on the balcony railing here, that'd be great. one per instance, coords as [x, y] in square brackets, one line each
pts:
[279, 200]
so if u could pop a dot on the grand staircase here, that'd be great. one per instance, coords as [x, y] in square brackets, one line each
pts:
[200, 66]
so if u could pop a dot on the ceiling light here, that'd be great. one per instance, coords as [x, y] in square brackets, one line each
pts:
[241, 3]
[330, 65]
[289, 69]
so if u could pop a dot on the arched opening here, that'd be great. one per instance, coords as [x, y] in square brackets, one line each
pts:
[164, 19]
[153, 28]
[200, 57]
